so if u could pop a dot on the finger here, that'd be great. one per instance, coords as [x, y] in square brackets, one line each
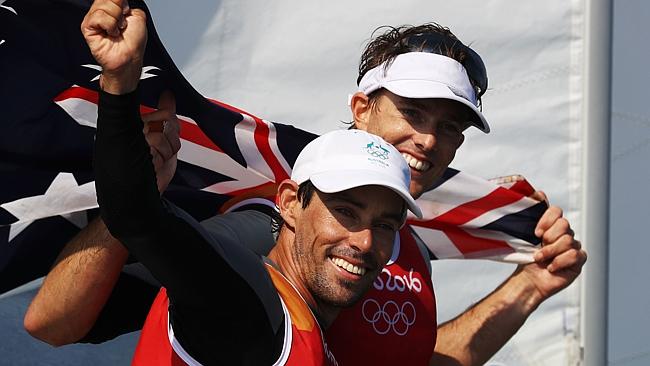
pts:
[159, 142]
[155, 122]
[156, 159]
[572, 260]
[559, 228]
[112, 7]
[576, 244]
[552, 214]
[126, 9]
[158, 116]
[154, 127]
[539, 196]
[139, 14]
[550, 251]
[103, 21]
[167, 101]
[135, 24]
[172, 134]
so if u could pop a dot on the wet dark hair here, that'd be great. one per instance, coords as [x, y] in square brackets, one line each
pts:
[305, 193]
[388, 42]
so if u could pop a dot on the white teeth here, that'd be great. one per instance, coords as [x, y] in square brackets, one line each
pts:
[349, 266]
[416, 164]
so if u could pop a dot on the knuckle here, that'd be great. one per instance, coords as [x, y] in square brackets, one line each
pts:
[557, 211]
[574, 256]
[564, 224]
[576, 244]
[548, 237]
[548, 251]
[566, 241]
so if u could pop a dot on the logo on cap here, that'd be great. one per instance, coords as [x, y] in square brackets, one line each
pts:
[377, 151]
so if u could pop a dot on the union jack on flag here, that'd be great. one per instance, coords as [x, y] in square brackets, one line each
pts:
[48, 97]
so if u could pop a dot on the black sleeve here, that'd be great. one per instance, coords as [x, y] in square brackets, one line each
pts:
[250, 227]
[126, 309]
[217, 312]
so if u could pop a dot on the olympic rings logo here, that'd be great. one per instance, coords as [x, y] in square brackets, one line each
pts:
[389, 316]
[377, 151]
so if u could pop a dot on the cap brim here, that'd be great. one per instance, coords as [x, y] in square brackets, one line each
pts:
[332, 182]
[419, 89]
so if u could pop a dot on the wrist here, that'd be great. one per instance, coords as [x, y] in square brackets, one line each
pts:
[524, 294]
[119, 83]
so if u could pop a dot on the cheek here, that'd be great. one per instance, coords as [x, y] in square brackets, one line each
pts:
[325, 229]
[393, 130]
[447, 150]
[386, 252]
[383, 241]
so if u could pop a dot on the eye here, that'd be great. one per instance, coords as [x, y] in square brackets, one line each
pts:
[451, 127]
[386, 226]
[344, 211]
[413, 115]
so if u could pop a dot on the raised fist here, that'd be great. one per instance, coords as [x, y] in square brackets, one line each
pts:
[116, 36]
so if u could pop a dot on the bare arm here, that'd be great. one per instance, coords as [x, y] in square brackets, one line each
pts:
[477, 334]
[76, 289]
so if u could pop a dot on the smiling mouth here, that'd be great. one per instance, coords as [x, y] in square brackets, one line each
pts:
[415, 163]
[347, 266]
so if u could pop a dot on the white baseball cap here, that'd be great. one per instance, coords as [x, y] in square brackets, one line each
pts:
[341, 160]
[425, 75]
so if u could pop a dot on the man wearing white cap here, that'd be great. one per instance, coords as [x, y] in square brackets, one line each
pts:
[222, 304]
[419, 89]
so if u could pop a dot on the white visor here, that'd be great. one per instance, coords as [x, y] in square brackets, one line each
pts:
[425, 75]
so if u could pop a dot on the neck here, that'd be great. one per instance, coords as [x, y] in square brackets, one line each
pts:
[285, 263]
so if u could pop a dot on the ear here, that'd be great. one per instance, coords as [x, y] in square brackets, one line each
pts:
[288, 201]
[360, 106]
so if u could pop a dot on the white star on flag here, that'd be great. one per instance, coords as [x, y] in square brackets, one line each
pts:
[63, 197]
[144, 75]
[8, 8]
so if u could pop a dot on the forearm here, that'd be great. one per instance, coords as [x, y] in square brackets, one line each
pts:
[167, 241]
[77, 287]
[477, 334]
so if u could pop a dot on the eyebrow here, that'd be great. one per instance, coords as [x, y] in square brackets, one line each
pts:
[410, 102]
[460, 117]
[349, 198]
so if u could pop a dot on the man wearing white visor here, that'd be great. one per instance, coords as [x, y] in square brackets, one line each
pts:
[420, 88]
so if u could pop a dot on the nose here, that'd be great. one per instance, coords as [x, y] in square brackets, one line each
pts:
[424, 141]
[361, 240]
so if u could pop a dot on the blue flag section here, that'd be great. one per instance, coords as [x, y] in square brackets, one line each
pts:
[48, 75]
[48, 97]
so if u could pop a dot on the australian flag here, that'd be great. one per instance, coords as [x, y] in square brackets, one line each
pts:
[228, 158]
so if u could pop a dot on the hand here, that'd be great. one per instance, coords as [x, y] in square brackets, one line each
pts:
[116, 36]
[162, 132]
[559, 262]
[539, 196]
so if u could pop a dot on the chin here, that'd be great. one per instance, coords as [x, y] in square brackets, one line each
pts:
[419, 186]
[343, 301]
[416, 189]
[344, 296]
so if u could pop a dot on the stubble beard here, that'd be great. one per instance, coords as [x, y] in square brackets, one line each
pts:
[341, 294]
